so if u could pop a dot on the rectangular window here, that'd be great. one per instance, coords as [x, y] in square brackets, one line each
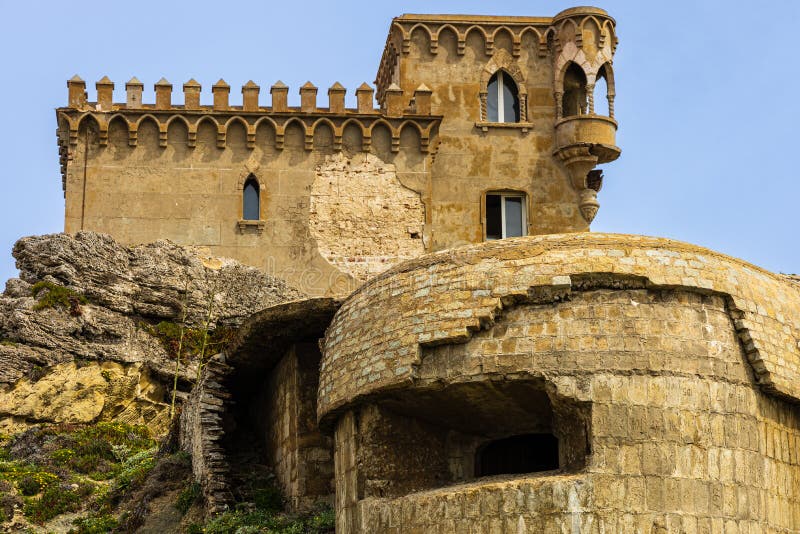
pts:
[505, 216]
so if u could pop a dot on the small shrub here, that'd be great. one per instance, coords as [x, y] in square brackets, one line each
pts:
[54, 501]
[268, 499]
[135, 469]
[323, 520]
[8, 501]
[237, 521]
[169, 334]
[30, 479]
[7, 343]
[29, 485]
[95, 524]
[62, 456]
[188, 496]
[57, 296]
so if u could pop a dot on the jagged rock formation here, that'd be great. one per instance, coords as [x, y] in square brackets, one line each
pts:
[99, 359]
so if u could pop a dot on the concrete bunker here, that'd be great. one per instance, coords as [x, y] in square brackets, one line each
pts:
[428, 438]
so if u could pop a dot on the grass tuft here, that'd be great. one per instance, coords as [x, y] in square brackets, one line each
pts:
[56, 296]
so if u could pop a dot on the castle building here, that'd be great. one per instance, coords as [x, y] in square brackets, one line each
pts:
[487, 127]
[487, 364]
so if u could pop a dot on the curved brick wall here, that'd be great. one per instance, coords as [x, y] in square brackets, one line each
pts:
[374, 342]
[687, 359]
[681, 438]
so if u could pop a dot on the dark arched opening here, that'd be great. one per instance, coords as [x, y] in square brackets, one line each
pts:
[251, 208]
[526, 453]
[574, 101]
[601, 91]
[502, 100]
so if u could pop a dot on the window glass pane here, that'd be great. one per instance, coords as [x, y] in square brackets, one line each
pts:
[510, 100]
[491, 100]
[250, 209]
[494, 225]
[513, 216]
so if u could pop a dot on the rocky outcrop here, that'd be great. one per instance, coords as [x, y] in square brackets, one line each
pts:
[93, 355]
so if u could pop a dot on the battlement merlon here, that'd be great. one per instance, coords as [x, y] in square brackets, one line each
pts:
[101, 113]
[550, 34]
[78, 99]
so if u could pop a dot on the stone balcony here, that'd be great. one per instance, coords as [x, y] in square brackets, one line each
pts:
[584, 141]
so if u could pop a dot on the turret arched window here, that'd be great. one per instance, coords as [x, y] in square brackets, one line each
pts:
[251, 201]
[574, 101]
[502, 100]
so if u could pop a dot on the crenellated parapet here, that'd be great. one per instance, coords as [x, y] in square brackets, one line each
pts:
[309, 117]
[489, 28]
[552, 37]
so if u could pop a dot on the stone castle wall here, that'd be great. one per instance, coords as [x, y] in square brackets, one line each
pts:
[188, 189]
[346, 193]
[298, 453]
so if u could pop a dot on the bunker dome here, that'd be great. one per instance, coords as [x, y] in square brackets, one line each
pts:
[566, 383]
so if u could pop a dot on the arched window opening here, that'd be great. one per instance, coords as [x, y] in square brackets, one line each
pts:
[251, 208]
[574, 100]
[526, 453]
[601, 93]
[502, 100]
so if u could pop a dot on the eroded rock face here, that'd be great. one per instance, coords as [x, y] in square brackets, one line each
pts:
[99, 360]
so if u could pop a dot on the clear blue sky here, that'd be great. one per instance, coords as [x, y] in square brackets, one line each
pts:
[707, 98]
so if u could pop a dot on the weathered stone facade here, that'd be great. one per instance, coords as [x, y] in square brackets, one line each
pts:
[346, 193]
[557, 382]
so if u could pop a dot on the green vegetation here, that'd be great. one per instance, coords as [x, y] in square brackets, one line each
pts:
[56, 469]
[260, 509]
[105, 472]
[169, 334]
[185, 344]
[245, 522]
[56, 296]
[95, 524]
[55, 500]
[188, 496]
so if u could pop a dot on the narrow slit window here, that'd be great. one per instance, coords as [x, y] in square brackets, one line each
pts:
[502, 100]
[505, 216]
[251, 203]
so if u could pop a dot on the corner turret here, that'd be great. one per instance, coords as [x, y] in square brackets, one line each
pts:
[583, 41]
